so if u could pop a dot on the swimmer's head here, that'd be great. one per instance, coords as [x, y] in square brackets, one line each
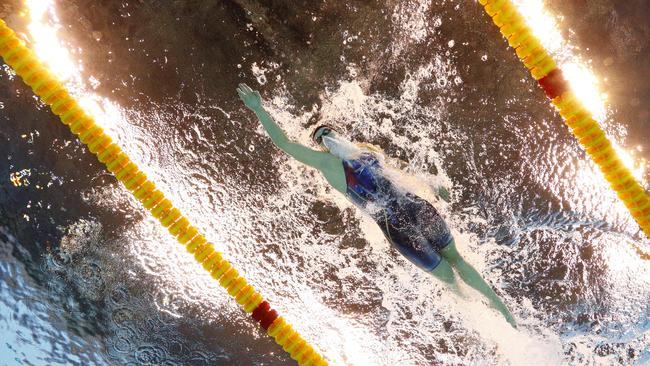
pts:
[319, 132]
[337, 145]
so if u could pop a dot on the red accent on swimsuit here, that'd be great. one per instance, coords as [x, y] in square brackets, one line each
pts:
[350, 177]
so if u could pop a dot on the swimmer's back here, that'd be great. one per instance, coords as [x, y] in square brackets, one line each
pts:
[412, 225]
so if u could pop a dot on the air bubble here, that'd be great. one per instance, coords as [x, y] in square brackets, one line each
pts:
[60, 259]
[261, 79]
[119, 295]
[122, 317]
[122, 345]
[150, 355]
[89, 272]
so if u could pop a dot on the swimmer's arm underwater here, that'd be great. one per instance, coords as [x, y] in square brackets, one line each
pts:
[305, 155]
[329, 165]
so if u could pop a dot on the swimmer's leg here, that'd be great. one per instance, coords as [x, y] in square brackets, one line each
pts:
[474, 279]
[445, 273]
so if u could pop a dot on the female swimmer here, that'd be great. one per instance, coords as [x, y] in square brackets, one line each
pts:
[411, 224]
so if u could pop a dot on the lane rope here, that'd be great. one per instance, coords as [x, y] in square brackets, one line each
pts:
[26, 65]
[586, 130]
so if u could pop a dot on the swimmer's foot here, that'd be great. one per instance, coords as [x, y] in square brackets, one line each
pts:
[510, 319]
[506, 314]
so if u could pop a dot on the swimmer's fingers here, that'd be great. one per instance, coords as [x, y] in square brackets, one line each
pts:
[251, 98]
[248, 89]
[241, 89]
[253, 93]
[242, 95]
[245, 95]
[246, 92]
[245, 88]
[240, 92]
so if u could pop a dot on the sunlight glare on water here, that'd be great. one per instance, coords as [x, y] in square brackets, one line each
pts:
[577, 72]
[582, 80]
[586, 86]
[180, 272]
[321, 282]
[636, 166]
[43, 28]
[543, 24]
[46, 41]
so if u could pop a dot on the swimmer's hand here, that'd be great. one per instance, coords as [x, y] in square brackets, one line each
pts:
[444, 194]
[251, 98]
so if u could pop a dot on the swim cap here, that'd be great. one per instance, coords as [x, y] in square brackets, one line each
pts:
[321, 131]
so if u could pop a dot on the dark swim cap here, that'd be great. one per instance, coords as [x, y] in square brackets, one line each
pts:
[325, 128]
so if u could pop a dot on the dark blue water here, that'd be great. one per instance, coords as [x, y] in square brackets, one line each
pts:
[88, 278]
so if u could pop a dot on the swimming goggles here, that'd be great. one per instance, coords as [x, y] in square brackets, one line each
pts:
[323, 131]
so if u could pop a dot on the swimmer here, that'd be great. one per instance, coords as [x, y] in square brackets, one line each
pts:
[411, 224]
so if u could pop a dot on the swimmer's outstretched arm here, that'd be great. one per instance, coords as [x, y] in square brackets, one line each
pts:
[328, 164]
[305, 155]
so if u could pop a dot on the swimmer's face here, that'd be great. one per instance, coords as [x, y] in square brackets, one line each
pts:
[337, 145]
[322, 132]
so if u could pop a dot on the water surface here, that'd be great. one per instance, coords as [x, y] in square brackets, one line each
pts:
[89, 278]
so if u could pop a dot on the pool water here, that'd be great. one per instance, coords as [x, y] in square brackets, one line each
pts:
[88, 278]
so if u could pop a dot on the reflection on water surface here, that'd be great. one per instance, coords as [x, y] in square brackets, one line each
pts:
[431, 82]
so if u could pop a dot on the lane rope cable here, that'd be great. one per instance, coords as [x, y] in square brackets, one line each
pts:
[586, 130]
[26, 64]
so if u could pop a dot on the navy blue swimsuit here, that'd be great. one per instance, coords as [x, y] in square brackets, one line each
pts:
[410, 223]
